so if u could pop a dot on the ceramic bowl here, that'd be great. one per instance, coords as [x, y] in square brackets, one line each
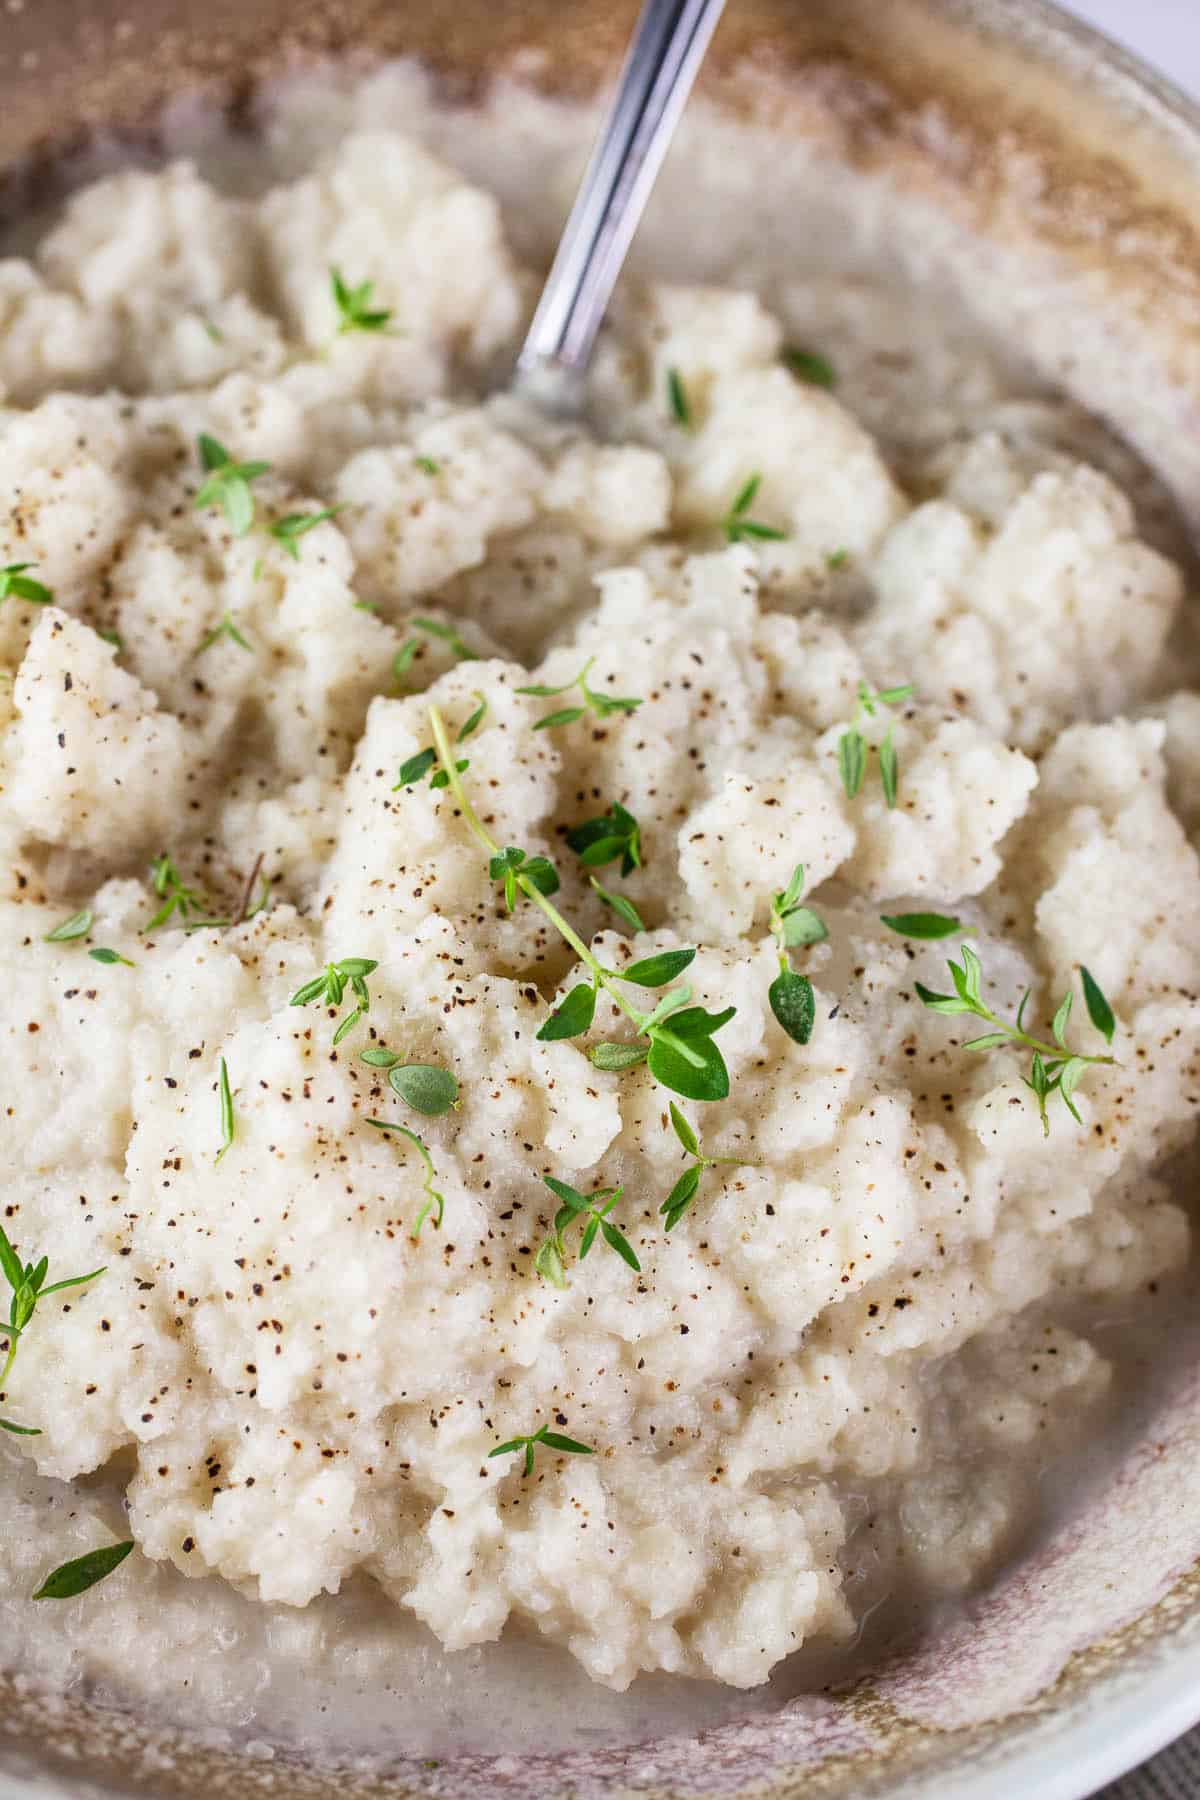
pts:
[1017, 159]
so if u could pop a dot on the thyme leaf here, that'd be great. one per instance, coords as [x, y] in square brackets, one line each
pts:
[27, 1285]
[738, 526]
[602, 706]
[435, 1202]
[852, 745]
[13, 580]
[291, 528]
[228, 484]
[77, 926]
[553, 1440]
[614, 834]
[677, 400]
[810, 366]
[83, 1572]
[684, 1192]
[353, 305]
[228, 1126]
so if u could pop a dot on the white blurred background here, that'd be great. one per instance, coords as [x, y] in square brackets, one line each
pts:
[1163, 32]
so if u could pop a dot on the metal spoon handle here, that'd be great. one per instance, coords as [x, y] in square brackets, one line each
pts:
[657, 75]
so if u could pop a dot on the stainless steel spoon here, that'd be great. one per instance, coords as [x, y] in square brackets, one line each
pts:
[660, 66]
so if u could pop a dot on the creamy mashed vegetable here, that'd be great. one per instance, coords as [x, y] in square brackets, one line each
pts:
[864, 1328]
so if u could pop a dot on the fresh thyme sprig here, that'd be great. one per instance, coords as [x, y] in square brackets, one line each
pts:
[852, 745]
[13, 580]
[794, 926]
[447, 634]
[602, 706]
[678, 1048]
[428, 465]
[677, 400]
[1055, 1067]
[684, 1191]
[226, 629]
[810, 366]
[572, 1207]
[737, 524]
[354, 309]
[435, 1202]
[77, 926]
[82, 1572]
[614, 834]
[228, 484]
[102, 954]
[27, 1282]
[330, 986]
[417, 767]
[175, 895]
[425, 1087]
[292, 527]
[228, 1123]
[553, 1440]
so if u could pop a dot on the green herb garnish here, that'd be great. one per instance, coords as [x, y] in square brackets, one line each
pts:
[1055, 1067]
[416, 767]
[615, 834]
[104, 955]
[435, 1202]
[811, 366]
[574, 1206]
[226, 629]
[427, 465]
[330, 986]
[922, 925]
[228, 484]
[403, 659]
[794, 926]
[77, 926]
[448, 636]
[679, 1048]
[27, 1282]
[13, 580]
[622, 905]
[601, 705]
[738, 526]
[506, 865]
[852, 745]
[228, 1126]
[684, 1191]
[553, 1440]
[112, 637]
[354, 309]
[677, 400]
[83, 1572]
[423, 1086]
[175, 896]
[291, 528]
[837, 559]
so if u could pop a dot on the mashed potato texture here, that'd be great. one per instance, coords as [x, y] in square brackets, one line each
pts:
[874, 1299]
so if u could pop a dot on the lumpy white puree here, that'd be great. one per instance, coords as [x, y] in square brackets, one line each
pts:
[853, 1353]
